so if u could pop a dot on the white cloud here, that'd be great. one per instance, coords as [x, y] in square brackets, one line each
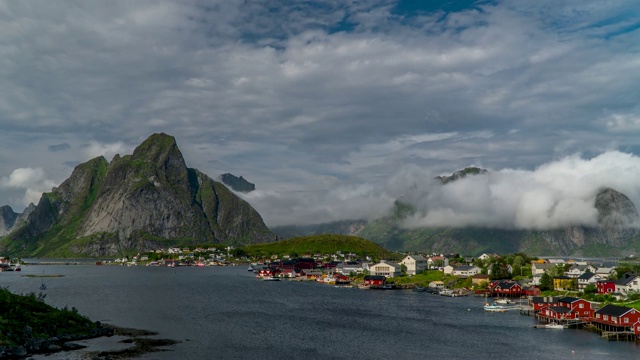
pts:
[554, 195]
[32, 181]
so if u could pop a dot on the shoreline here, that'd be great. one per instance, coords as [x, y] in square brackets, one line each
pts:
[111, 342]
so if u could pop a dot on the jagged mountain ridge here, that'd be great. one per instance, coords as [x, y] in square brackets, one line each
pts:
[612, 237]
[135, 203]
[239, 184]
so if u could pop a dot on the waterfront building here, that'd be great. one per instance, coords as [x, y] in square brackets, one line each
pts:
[617, 318]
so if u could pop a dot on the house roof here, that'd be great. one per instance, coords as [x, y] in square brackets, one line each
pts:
[464, 268]
[586, 276]
[626, 279]
[506, 284]
[417, 257]
[614, 310]
[374, 277]
[543, 299]
[568, 299]
[560, 309]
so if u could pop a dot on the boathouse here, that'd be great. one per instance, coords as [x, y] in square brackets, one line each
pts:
[540, 302]
[615, 318]
[581, 307]
[374, 280]
[506, 288]
[558, 313]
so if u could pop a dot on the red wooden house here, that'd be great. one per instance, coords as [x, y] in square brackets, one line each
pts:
[540, 302]
[614, 316]
[506, 288]
[558, 313]
[606, 286]
[531, 291]
[374, 280]
[581, 307]
[636, 328]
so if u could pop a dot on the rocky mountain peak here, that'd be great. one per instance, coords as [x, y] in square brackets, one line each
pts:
[615, 209]
[461, 174]
[136, 203]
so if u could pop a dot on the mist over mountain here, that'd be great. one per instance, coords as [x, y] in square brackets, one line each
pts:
[475, 210]
[134, 203]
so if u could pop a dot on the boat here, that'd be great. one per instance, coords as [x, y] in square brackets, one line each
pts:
[419, 289]
[43, 287]
[503, 301]
[271, 278]
[250, 268]
[554, 326]
[494, 308]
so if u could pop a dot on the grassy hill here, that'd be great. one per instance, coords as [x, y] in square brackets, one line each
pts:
[324, 244]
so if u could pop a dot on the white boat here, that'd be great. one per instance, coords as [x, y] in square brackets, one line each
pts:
[503, 301]
[271, 278]
[43, 287]
[554, 326]
[494, 308]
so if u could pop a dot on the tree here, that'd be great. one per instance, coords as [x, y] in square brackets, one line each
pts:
[546, 282]
[590, 289]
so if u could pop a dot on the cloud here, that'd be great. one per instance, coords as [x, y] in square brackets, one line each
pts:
[313, 96]
[33, 181]
[59, 147]
[554, 195]
[108, 150]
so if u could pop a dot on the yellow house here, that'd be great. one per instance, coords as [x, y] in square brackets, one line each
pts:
[562, 283]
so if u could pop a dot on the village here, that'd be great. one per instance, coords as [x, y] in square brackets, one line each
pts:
[581, 292]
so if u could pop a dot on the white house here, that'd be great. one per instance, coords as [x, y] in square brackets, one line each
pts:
[415, 264]
[539, 269]
[448, 270]
[586, 279]
[606, 272]
[465, 271]
[387, 269]
[576, 271]
[628, 283]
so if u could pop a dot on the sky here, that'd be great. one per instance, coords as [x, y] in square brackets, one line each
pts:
[335, 108]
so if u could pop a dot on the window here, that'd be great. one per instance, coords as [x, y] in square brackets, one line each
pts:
[626, 320]
[581, 306]
[606, 317]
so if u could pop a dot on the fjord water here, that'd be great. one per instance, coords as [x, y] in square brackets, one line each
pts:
[226, 313]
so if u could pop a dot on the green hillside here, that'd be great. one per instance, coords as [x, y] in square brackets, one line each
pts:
[324, 244]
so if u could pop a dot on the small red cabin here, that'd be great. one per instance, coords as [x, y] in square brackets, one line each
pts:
[374, 280]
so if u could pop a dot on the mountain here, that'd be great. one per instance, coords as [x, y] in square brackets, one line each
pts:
[135, 203]
[238, 184]
[615, 234]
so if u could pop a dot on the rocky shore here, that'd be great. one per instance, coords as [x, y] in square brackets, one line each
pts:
[28, 327]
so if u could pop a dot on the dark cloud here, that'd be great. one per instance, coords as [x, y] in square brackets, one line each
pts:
[59, 147]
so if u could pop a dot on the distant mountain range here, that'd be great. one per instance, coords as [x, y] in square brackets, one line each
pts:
[612, 236]
[134, 203]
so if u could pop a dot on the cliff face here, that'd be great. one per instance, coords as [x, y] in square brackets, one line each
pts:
[7, 219]
[136, 203]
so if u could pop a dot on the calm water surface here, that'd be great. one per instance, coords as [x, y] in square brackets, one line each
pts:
[225, 313]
